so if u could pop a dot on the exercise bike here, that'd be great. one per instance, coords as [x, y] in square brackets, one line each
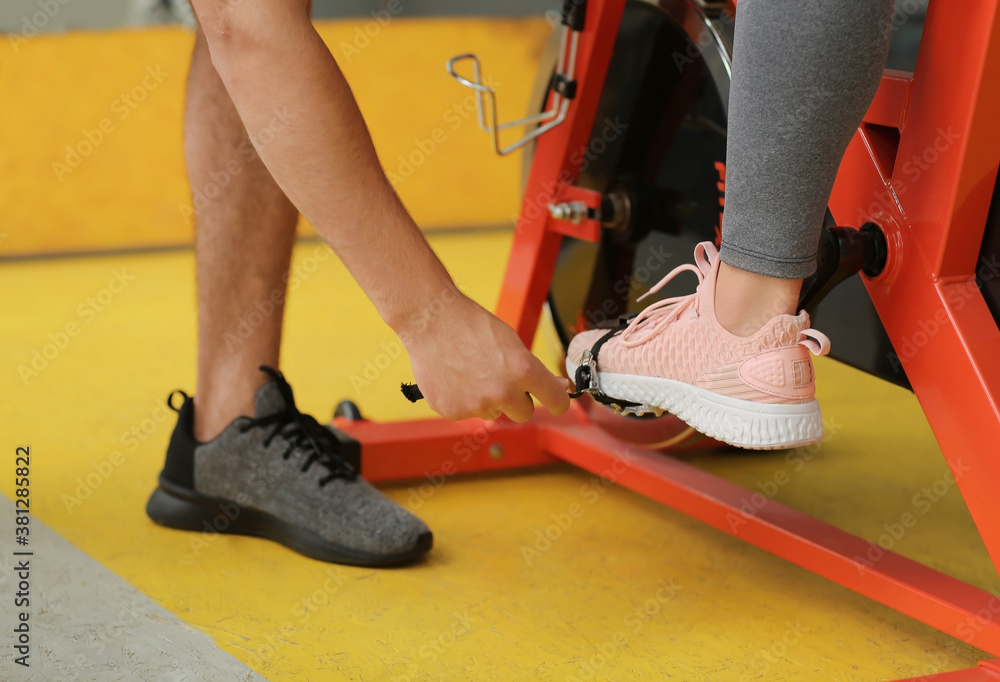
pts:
[625, 173]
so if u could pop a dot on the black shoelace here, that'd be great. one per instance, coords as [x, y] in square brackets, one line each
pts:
[302, 432]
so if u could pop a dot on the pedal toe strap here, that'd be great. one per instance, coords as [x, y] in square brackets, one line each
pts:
[586, 373]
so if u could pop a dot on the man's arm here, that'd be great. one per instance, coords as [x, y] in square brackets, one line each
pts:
[280, 74]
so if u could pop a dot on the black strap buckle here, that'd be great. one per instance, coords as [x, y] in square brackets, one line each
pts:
[586, 375]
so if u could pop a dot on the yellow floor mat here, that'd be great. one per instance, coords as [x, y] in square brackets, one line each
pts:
[629, 591]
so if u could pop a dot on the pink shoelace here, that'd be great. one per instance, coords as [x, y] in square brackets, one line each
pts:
[662, 313]
[657, 315]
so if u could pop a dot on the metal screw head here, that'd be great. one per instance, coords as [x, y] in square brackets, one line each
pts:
[574, 211]
[496, 451]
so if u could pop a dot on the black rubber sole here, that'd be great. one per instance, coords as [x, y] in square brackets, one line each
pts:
[176, 507]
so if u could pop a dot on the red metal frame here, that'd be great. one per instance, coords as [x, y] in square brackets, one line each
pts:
[927, 299]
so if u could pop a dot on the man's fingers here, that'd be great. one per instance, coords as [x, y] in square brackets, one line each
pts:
[550, 390]
[520, 409]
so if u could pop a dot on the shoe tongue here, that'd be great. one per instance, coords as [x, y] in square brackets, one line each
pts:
[271, 400]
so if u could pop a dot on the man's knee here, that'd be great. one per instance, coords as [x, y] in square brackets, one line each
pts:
[239, 24]
[214, 19]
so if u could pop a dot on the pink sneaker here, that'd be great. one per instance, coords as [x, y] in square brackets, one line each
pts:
[753, 392]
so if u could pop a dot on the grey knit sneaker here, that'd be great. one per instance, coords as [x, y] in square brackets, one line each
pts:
[279, 476]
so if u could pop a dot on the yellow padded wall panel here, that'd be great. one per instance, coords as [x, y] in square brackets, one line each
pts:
[91, 127]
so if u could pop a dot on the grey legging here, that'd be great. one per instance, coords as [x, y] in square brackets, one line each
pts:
[804, 73]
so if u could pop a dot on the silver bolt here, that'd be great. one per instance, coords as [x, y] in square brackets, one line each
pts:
[574, 211]
[496, 451]
[559, 211]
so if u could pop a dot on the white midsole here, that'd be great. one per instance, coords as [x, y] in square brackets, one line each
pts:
[743, 423]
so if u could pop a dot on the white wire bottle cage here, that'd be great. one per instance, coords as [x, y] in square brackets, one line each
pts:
[563, 90]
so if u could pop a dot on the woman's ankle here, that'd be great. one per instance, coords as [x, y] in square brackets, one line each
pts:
[746, 301]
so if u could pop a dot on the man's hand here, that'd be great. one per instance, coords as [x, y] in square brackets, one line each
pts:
[468, 363]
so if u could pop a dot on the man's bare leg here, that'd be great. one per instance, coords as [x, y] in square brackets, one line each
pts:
[244, 242]
[282, 472]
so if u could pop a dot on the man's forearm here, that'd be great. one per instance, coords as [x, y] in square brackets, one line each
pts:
[277, 68]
